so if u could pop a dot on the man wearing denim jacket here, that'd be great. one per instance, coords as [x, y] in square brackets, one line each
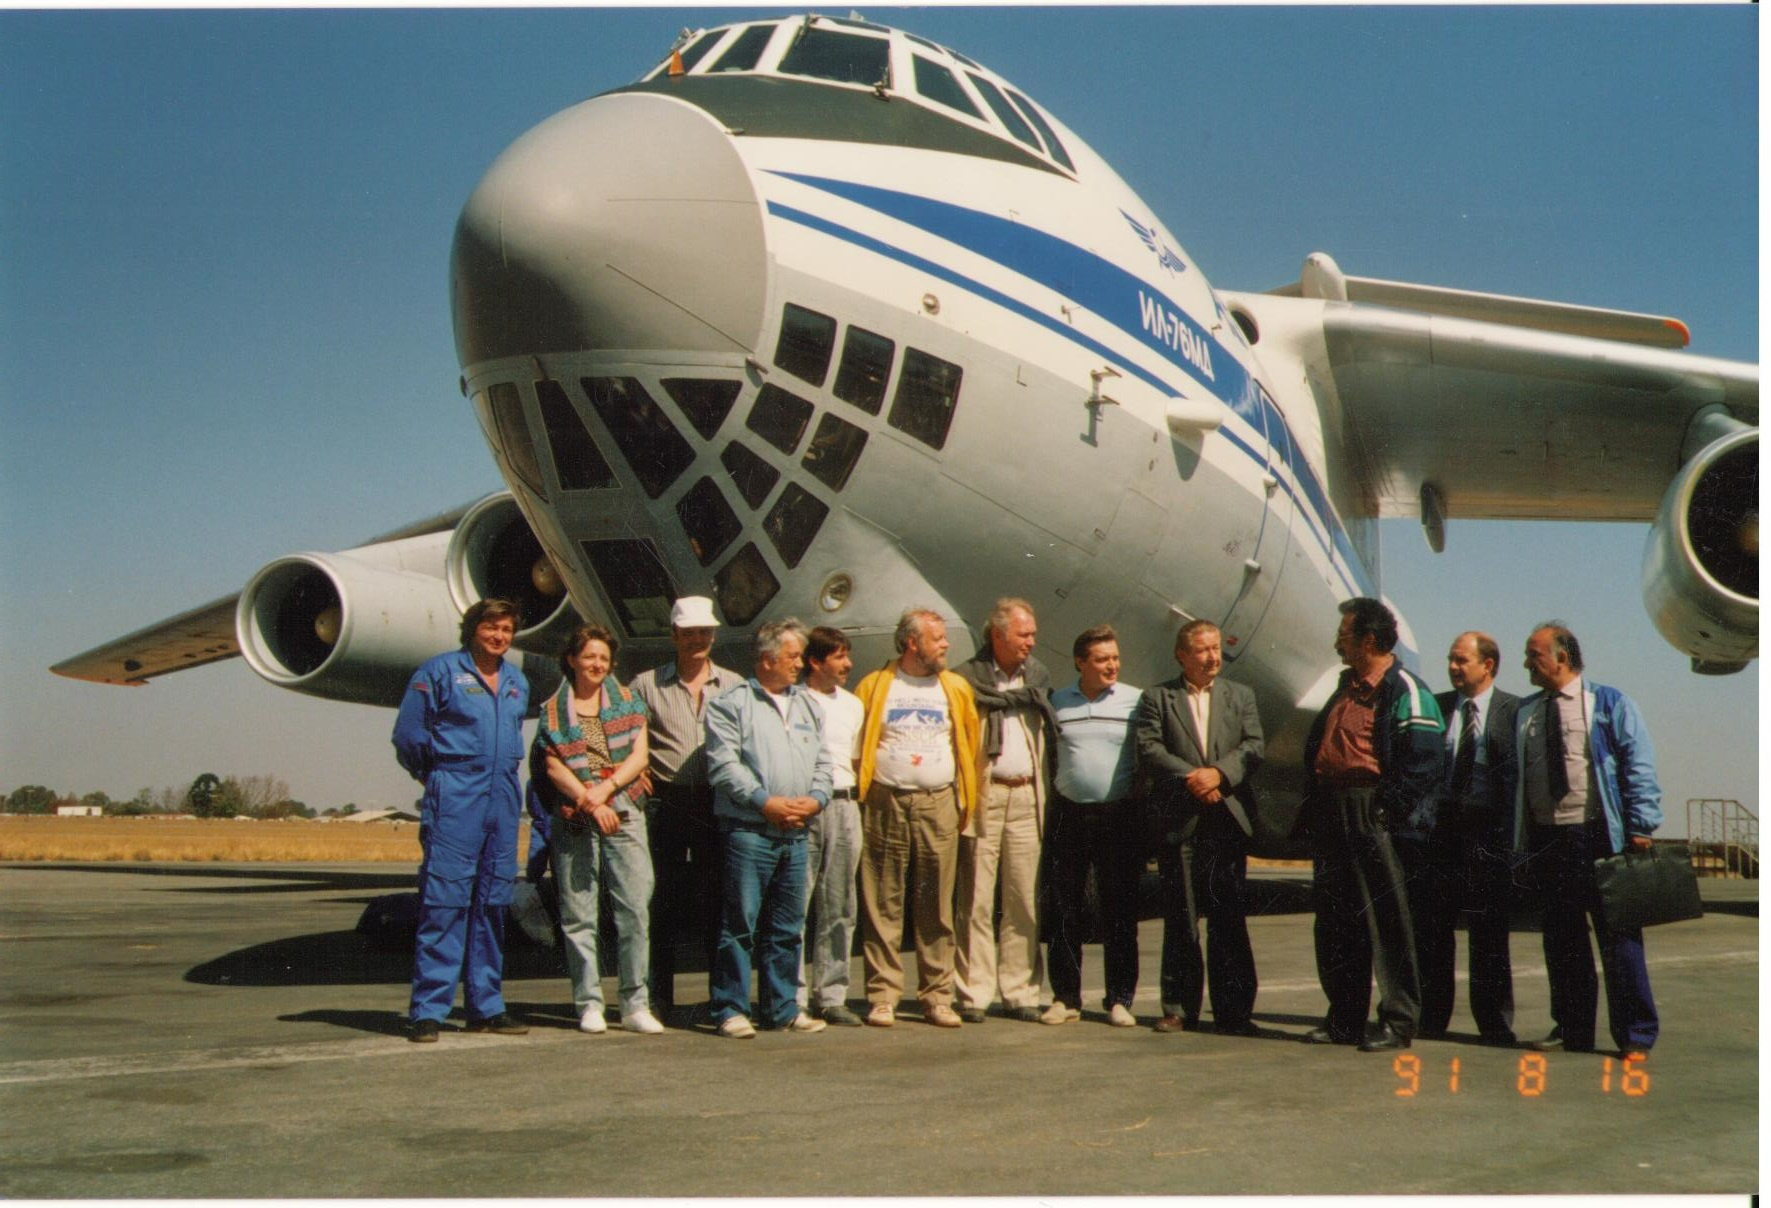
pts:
[770, 773]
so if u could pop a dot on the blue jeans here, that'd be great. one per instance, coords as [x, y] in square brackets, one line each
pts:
[583, 858]
[764, 916]
[833, 857]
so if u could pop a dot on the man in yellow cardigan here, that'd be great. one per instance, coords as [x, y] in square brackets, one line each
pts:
[918, 781]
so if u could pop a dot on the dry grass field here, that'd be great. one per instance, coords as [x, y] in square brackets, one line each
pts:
[36, 837]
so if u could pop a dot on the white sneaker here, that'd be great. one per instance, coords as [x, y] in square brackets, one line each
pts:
[1058, 1013]
[1120, 1017]
[805, 1023]
[736, 1027]
[592, 1020]
[643, 1022]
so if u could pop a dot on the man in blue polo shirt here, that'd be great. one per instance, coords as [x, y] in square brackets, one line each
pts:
[1094, 819]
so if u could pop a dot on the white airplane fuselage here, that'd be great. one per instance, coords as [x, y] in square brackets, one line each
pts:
[1113, 451]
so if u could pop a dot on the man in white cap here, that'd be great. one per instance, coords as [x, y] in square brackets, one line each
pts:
[679, 816]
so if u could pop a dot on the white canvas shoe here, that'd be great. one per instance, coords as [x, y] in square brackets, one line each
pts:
[736, 1027]
[1121, 1017]
[643, 1022]
[805, 1023]
[592, 1020]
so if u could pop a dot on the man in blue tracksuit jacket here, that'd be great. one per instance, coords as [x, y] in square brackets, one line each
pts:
[1587, 789]
[460, 733]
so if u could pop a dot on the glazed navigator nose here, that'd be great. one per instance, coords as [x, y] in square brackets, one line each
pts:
[627, 222]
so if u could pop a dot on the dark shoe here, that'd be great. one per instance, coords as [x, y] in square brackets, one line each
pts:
[1555, 1042]
[1498, 1040]
[422, 1031]
[1383, 1040]
[1026, 1014]
[972, 1014]
[1175, 1023]
[840, 1016]
[498, 1025]
[1238, 1027]
[1327, 1035]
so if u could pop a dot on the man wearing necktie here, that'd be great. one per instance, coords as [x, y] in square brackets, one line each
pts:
[1587, 788]
[1468, 851]
[1199, 741]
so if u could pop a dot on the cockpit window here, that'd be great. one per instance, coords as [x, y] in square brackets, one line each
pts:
[744, 585]
[941, 86]
[779, 417]
[858, 23]
[577, 462]
[513, 434]
[825, 54]
[928, 391]
[794, 521]
[708, 519]
[804, 347]
[1017, 125]
[835, 448]
[753, 476]
[693, 52]
[1045, 129]
[706, 401]
[633, 577]
[743, 53]
[866, 364]
[650, 442]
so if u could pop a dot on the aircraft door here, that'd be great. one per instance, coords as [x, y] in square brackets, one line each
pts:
[1267, 561]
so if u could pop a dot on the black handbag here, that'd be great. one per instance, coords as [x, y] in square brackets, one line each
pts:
[1647, 888]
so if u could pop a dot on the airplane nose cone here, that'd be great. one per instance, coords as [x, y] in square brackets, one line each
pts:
[625, 222]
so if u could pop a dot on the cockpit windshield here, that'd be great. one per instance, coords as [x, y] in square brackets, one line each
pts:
[854, 53]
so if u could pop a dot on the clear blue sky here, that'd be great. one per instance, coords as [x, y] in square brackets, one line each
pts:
[224, 327]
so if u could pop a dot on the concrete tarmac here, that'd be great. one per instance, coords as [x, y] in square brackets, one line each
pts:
[222, 1031]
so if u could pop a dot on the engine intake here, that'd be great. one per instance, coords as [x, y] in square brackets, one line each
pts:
[1700, 572]
[494, 552]
[349, 626]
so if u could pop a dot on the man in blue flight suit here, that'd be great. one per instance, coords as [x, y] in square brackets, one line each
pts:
[460, 733]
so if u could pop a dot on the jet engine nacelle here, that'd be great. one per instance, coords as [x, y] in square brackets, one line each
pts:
[1700, 573]
[350, 626]
[494, 552]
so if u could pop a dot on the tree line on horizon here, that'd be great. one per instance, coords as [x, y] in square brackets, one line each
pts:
[208, 796]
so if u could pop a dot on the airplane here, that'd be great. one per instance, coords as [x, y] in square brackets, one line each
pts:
[820, 317]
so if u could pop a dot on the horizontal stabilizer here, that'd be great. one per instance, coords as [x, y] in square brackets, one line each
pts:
[1323, 279]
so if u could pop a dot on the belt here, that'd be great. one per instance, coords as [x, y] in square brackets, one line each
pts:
[842, 795]
[1355, 780]
[1012, 782]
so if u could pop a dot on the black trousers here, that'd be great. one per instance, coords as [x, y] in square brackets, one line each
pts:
[1561, 864]
[1463, 869]
[688, 861]
[1363, 925]
[1205, 879]
[1110, 836]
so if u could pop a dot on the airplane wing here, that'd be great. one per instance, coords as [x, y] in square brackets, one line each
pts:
[196, 638]
[1510, 408]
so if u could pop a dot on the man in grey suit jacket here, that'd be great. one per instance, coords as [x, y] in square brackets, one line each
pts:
[1466, 858]
[1199, 741]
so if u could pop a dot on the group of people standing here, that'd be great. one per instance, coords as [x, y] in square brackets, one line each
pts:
[971, 804]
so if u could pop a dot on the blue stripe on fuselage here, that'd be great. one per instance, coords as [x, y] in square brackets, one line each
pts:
[1104, 288]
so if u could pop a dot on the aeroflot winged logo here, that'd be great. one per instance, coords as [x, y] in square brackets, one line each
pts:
[1165, 255]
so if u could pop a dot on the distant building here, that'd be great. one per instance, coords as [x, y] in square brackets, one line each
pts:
[79, 811]
[401, 814]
